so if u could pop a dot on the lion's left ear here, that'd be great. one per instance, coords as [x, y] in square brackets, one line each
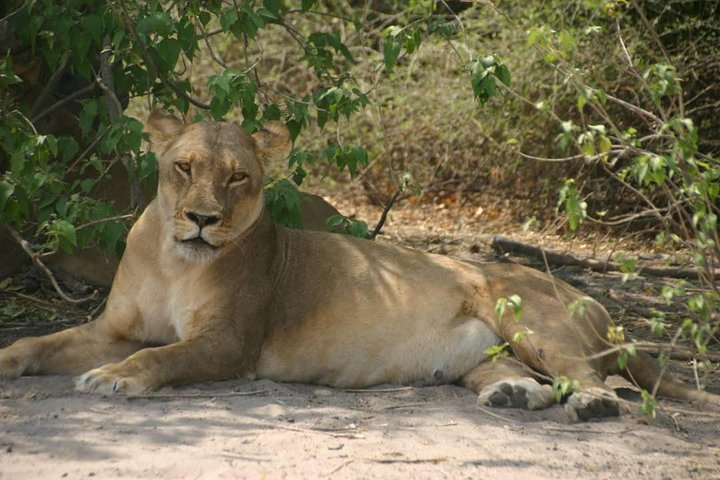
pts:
[273, 139]
[163, 128]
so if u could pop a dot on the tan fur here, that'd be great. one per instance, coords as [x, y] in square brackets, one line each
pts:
[223, 292]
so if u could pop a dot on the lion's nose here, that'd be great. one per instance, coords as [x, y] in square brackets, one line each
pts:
[201, 220]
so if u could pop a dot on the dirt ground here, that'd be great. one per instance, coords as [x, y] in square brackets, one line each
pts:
[265, 429]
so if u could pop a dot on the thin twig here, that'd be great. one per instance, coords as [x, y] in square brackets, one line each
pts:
[14, 12]
[650, 347]
[151, 63]
[409, 460]
[61, 103]
[25, 245]
[339, 467]
[104, 220]
[209, 46]
[384, 215]
[89, 148]
[353, 435]
[376, 390]
[551, 160]
[196, 395]
[50, 85]
[499, 417]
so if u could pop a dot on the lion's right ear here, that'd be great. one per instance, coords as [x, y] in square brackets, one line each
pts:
[163, 128]
[272, 140]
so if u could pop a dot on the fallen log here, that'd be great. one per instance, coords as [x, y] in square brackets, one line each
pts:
[505, 245]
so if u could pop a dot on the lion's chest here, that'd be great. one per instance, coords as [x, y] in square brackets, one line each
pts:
[169, 307]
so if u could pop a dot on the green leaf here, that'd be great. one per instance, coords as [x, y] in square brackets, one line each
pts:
[581, 102]
[222, 85]
[358, 228]
[218, 108]
[588, 149]
[503, 74]
[359, 156]
[483, 86]
[283, 200]
[148, 166]
[335, 221]
[649, 404]
[168, 50]
[604, 144]
[68, 148]
[299, 175]
[65, 233]
[6, 190]
[7, 74]
[110, 235]
[500, 307]
[228, 18]
[271, 112]
[391, 51]
[563, 386]
[496, 352]
[160, 23]
[92, 24]
[622, 359]
[516, 302]
[307, 5]
[273, 6]
[87, 116]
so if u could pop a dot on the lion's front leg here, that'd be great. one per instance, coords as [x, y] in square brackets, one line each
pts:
[187, 361]
[74, 350]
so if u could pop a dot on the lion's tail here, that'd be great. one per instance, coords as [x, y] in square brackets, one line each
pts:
[645, 371]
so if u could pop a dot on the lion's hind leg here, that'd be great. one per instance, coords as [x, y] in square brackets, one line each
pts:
[508, 383]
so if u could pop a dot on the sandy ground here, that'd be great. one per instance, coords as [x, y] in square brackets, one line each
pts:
[269, 430]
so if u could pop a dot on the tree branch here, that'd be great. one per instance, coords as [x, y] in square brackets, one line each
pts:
[151, 63]
[384, 215]
[61, 103]
[503, 244]
[50, 85]
[25, 245]
[106, 82]
[209, 46]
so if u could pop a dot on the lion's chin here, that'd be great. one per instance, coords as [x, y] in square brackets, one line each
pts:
[196, 249]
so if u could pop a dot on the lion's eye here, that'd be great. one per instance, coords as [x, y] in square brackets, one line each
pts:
[184, 167]
[238, 177]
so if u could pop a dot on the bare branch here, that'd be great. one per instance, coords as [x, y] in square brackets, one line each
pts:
[151, 63]
[25, 245]
[83, 92]
[209, 46]
[105, 220]
[503, 244]
[384, 215]
[11, 14]
[106, 82]
[51, 84]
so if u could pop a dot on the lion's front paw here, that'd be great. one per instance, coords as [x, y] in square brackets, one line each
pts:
[593, 403]
[522, 393]
[110, 380]
[14, 362]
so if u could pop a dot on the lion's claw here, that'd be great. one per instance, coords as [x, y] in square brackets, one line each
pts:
[105, 382]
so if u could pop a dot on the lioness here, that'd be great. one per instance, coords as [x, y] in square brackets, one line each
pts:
[210, 288]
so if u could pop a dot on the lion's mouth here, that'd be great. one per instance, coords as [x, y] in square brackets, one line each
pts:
[197, 242]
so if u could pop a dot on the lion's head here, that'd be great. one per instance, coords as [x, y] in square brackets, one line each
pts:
[210, 179]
